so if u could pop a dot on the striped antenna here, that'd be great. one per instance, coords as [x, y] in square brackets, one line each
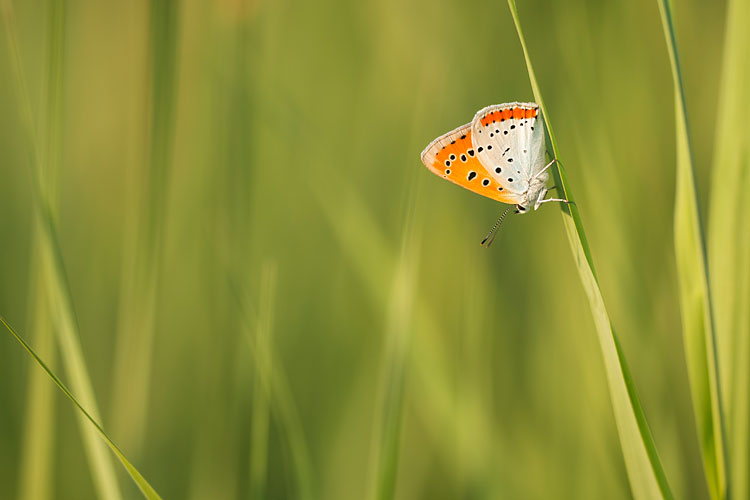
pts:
[487, 241]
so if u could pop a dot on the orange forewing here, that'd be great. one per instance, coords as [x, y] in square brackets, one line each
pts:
[507, 113]
[452, 157]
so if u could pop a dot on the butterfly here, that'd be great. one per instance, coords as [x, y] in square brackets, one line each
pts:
[500, 155]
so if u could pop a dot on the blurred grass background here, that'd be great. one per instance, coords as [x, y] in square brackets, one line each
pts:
[385, 344]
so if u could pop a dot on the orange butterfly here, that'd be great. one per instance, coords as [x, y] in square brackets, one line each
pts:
[500, 155]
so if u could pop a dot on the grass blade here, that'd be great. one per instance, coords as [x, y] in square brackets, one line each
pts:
[375, 258]
[646, 474]
[135, 329]
[695, 299]
[260, 411]
[143, 485]
[38, 446]
[36, 473]
[387, 431]
[59, 297]
[729, 244]
[274, 381]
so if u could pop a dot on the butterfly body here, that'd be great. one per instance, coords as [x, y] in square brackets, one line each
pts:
[500, 155]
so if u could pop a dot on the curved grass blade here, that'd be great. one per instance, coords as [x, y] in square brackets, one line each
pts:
[646, 474]
[729, 244]
[695, 298]
[140, 481]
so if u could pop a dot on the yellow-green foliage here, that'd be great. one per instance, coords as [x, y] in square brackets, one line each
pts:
[215, 222]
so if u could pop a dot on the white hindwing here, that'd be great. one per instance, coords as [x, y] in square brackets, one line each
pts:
[510, 143]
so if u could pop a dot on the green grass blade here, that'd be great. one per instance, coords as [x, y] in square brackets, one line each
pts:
[37, 452]
[695, 298]
[729, 244]
[38, 445]
[260, 411]
[137, 314]
[140, 481]
[274, 381]
[370, 253]
[387, 431]
[374, 258]
[646, 474]
[59, 298]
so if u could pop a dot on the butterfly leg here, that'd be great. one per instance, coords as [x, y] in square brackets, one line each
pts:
[545, 168]
[554, 199]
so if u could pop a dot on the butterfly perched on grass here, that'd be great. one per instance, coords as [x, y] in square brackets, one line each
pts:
[500, 155]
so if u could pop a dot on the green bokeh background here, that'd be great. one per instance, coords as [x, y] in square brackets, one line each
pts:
[294, 143]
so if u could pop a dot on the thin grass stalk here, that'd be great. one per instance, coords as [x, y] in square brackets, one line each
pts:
[474, 392]
[399, 325]
[645, 471]
[135, 330]
[356, 231]
[38, 442]
[373, 257]
[273, 379]
[729, 244]
[139, 480]
[260, 412]
[695, 297]
[59, 298]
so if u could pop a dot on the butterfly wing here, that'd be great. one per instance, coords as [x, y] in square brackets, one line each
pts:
[510, 143]
[452, 156]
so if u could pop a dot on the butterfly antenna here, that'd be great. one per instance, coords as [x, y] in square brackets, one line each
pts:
[487, 241]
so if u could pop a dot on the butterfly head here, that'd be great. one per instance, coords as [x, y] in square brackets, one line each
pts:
[534, 194]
